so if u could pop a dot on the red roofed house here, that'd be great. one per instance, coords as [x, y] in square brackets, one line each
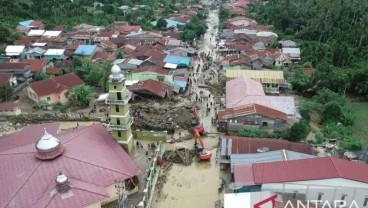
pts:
[53, 90]
[152, 88]
[151, 72]
[322, 178]
[8, 79]
[38, 65]
[231, 120]
[78, 168]
[9, 109]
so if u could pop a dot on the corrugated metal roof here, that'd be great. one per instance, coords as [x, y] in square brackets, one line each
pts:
[85, 50]
[262, 76]
[240, 88]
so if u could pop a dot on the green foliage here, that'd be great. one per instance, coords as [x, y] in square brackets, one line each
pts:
[42, 105]
[300, 81]
[195, 28]
[306, 108]
[325, 96]
[332, 111]
[351, 143]
[119, 54]
[333, 130]
[80, 95]
[40, 76]
[187, 35]
[60, 107]
[6, 91]
[298, 131]
[161, 24]
[320, 138]
[254, 132]
[223, 13]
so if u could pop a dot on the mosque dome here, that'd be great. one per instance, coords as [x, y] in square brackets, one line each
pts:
[115, 70]
[48, 147]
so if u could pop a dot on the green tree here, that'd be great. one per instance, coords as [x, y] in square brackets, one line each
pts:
[187, 35]
[40, 76]
[351, 143]
[161, 24]
[80, 95]
[306, 108]
[6, 91]
[332, 111]
[298, 131]
[119, 54]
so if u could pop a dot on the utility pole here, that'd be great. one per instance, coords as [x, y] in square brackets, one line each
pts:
[122, 198]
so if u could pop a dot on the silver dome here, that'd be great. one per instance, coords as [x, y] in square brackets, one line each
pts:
[47, 143]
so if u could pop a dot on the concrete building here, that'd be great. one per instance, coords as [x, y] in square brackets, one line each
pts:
[324, 179]
[120, 120]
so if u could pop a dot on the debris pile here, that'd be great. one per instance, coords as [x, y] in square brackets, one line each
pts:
[181, 155]
[161, 117]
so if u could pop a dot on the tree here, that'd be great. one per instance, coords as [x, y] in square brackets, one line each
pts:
[119, 54]
[187, 35]
[40, 76]
[306, 108]
[332, 111]
[351, 143]
[80, 95]
[161, 24]
[298, 131]
[6, 91]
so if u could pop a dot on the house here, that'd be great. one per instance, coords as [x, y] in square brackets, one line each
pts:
[53, 42]
[270, 79]
[152, 88]
[35, 53]
[102, 56]
[326, 179]
[10, 109]
[53, 71]
[243, 91]
[37, 33]
[128, 64]
[241, 21]
[15, 51]
[26, 41]
[54, 90]
[267, 37]
[171, 24]
[231, 120]
[246, 150]
[287, 43]
[180, 51]
[55, 54]
[180, 83]
[43, 167]
[21, 71]
[85, 51]
[143, 36]
[180, 61]
[52, 33]
[293, 53]
[259, 46]
[8, 79]
[27, 25]
[108, 45]
[38, 65]
[151, 72]
[283, 60]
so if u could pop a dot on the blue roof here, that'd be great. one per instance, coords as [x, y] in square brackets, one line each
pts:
[170, 23]
[182, 84]
[25, 23]
[85, 50]
[179, 60]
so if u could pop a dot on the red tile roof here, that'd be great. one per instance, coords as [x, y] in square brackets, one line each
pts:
[252, 109]
[144, 51]
[59, 28]
[152, 87]
[13, 65]
[36, 24]
[9, 106]
[64, 63]
[53, 71]
[156, 69]
[103, 56]
[25, 40]
[4, 78]
[56, 84]
[109, 44]
[92, 160]
[35, 65]
[246, 145]
[319, 168]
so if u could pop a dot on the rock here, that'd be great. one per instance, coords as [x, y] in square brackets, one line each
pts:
[18, 125]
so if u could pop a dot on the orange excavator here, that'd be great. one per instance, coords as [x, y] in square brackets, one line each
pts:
[198, 130]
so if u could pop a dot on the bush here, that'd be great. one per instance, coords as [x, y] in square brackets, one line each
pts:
[333, 130]
[325, 96]
[62, 108]
[332, 111]
[319, 138]
[351, 143]
[306, 109]
[298, 131]
[254, 132]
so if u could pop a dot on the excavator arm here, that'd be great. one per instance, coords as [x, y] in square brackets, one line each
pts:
[195, 115]
[197, 137]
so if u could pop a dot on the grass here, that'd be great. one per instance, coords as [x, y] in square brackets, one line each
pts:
[360, 128]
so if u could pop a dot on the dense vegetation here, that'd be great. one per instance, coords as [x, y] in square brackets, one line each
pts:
[74, 12]
[195, 28]
[334, 40]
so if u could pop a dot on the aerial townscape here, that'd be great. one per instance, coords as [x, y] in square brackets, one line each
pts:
[183, 104]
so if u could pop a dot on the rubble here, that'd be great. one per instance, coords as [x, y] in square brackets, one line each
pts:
[180, 155]
[161, 117]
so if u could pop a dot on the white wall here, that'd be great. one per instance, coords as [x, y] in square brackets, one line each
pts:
[332, 189]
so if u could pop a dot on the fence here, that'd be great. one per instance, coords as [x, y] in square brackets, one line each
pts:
[151, 135]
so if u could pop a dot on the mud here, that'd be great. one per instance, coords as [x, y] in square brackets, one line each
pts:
[181, 155]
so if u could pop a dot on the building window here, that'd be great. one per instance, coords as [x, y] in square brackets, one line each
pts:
[119, 133]
[320, 196]
[343, 197]
[365, 202]
[117, 109]
[114, 87]
[48, 98]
